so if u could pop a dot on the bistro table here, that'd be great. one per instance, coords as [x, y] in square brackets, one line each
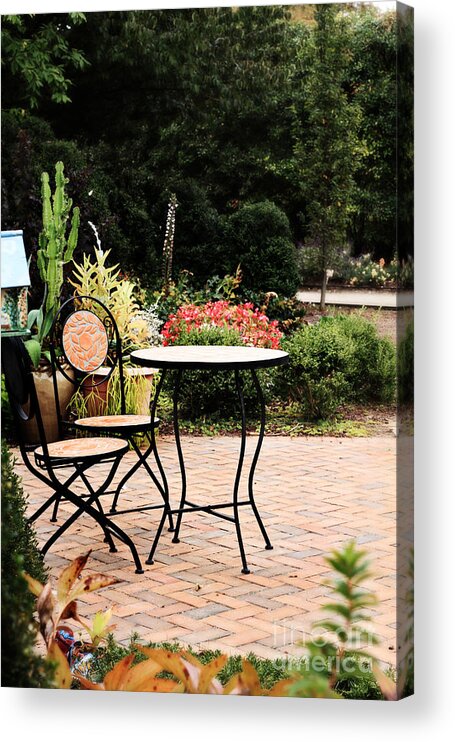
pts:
[211, 358]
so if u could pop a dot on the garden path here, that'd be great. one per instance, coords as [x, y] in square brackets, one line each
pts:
[313, 494]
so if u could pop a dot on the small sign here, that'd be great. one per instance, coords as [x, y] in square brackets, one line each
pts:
[14, 281]
[14, 268]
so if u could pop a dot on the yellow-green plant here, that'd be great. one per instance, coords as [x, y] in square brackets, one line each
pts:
[100, 627]
[101, 281]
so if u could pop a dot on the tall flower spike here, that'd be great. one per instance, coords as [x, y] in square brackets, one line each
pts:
[168, 246]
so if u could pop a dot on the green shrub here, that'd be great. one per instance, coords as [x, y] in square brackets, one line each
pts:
[372, 370]
[258, 236]
[208, 392]
[340, 359]
[405, 365]
[288, 311]
[21, 667]
[7, 415]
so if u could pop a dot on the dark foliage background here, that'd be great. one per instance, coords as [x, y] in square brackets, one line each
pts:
[219, 106]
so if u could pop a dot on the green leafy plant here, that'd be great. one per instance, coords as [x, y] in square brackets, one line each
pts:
[340, 660]
[186, 291]
[21, 667]
[259, 238]
[289, 312]
[38, 57]
[338, 360]
[56, 247]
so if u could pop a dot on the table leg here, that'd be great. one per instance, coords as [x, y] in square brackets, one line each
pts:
[160, 466]
[176, 539]
[235, 501]
[261, 399]
[238, 384]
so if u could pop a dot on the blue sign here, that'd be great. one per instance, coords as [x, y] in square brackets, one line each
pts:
[14, 268]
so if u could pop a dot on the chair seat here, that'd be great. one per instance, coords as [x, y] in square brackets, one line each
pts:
[119, 423]
[82, 449]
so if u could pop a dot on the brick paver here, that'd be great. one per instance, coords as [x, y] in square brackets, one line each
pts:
[313, 495]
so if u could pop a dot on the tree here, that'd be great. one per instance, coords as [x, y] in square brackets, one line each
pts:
[326, 141]
[223, 107]
[37, 57]
[372, 79]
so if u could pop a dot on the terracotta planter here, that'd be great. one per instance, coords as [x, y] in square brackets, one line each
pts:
[44, 386]
[95, 389]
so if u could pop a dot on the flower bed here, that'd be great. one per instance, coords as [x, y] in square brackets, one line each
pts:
[253, 326]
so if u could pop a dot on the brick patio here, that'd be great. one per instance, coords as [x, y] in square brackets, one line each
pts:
[313, 494]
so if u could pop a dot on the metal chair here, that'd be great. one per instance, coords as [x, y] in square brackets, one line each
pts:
[85, 337]
[46, 459]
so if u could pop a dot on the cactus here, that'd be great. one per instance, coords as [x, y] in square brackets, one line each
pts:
[55, 248]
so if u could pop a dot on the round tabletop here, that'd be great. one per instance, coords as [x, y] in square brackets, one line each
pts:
[209, 357]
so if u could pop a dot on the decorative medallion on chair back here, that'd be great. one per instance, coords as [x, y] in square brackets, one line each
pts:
[85, 341]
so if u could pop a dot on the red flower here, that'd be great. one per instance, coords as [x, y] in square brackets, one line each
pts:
[254, 327]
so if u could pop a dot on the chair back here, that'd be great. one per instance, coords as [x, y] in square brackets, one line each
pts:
[84, 337]
[20, 385]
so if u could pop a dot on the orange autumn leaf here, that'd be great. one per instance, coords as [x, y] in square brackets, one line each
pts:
[245, 683]
[170, 662]
[62, 672]
[91, 583]
[207, 681]
[69, 576]
[125, 676]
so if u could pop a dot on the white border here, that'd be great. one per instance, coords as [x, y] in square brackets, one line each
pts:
[97, 716]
